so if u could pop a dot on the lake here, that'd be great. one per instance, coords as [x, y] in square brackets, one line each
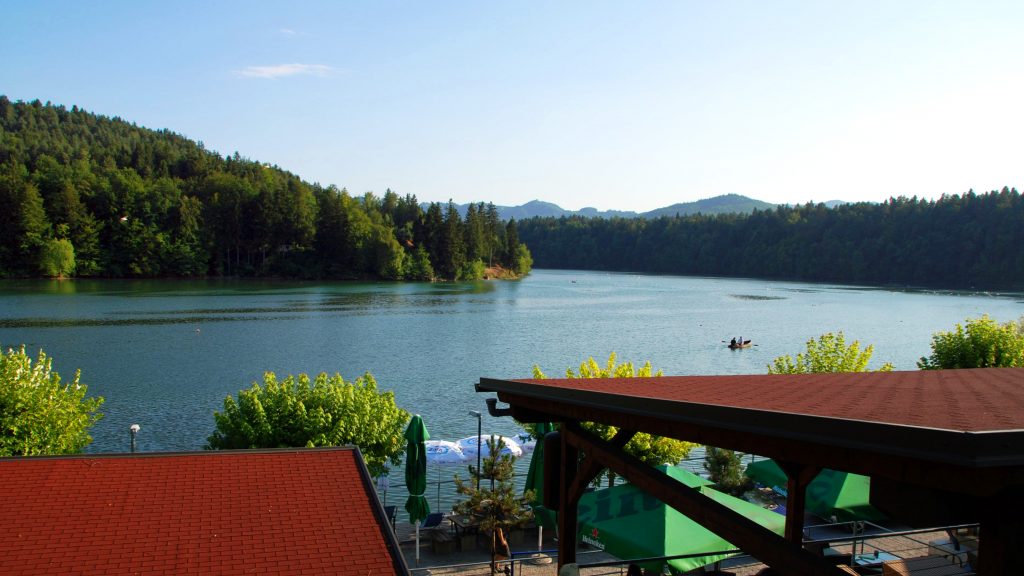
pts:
[164, 354]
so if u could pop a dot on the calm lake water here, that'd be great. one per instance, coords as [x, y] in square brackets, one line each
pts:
[164, 354]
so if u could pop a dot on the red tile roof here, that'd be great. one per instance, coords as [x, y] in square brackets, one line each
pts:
[979, 400]
[308, 511]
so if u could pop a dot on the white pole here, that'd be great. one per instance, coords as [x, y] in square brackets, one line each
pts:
[540, 538]
[417, 542]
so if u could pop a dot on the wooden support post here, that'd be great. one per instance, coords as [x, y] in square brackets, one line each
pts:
[1002, 535]
[568, 511]
[798, 477]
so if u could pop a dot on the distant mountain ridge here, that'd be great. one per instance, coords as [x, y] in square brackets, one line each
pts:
[725, 204]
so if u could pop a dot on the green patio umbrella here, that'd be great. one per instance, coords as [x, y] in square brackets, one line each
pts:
[535, 481]
[832, 493]
[629, 523]
[416, 474]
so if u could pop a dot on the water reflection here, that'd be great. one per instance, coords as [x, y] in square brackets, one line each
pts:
[755, 297]
[89, 322]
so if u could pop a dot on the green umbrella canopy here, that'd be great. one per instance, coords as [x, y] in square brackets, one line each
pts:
[832, 493]
[629, 523]
[535, 478]
[416, 469]
[535, 475]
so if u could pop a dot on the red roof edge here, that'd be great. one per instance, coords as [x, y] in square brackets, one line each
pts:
[383, 524]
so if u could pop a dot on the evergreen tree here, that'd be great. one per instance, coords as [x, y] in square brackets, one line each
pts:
[474, 234]
[432, 236]
[452, 252]
[496, 505]
[24, 227]
[725, 469]
[494, 233]
[511, 244]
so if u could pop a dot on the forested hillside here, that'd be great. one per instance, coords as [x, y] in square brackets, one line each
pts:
[88, 195]
[968, 241]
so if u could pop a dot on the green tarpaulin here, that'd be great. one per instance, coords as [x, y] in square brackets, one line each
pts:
[841, 494]
[628, 523]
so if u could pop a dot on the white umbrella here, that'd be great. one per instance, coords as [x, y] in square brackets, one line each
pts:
[441, 454]
[444, 452]
[469, 446]
[526, 442]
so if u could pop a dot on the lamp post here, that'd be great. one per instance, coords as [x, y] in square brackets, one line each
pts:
[479, 433]
[133, 430]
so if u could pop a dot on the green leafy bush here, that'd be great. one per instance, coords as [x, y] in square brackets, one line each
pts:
[828, 353]
[652, 449]
[38, 415]
[983, 343]
[327, 411]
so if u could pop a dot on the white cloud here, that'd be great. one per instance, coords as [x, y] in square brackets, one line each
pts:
[282, 70]
[288, 32]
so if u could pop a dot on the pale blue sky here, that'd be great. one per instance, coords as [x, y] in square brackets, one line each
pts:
[616, 105]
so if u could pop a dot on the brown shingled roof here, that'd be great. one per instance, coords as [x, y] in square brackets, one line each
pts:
[965, 400]
[308, 511]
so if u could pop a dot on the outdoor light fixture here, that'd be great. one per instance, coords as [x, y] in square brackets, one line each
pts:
[134, 429]
[479, 433]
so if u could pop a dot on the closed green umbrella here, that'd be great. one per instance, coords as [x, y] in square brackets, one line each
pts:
[535, 481]
[416, 474]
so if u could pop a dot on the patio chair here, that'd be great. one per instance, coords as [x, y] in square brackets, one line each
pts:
[433, 520]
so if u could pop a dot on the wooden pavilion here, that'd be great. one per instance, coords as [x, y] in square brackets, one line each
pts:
[940, 446]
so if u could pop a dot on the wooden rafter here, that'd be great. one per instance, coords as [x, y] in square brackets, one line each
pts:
[749, 536]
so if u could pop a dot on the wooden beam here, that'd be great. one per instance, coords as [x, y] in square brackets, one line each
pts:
[590, 468]
[763, 544]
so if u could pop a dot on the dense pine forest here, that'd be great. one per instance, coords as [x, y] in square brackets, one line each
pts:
[969, 241]
[87, 195]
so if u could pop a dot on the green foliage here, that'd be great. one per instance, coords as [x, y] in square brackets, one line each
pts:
[38, 415]
[23, 224]
[966, 241]
[328, 411]
[137, 202]
[57, 258]
[828, 353]
[984, 343]
[726, 470]
[652, 449]
[471, 270]
[524, 260]
[417, 265]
